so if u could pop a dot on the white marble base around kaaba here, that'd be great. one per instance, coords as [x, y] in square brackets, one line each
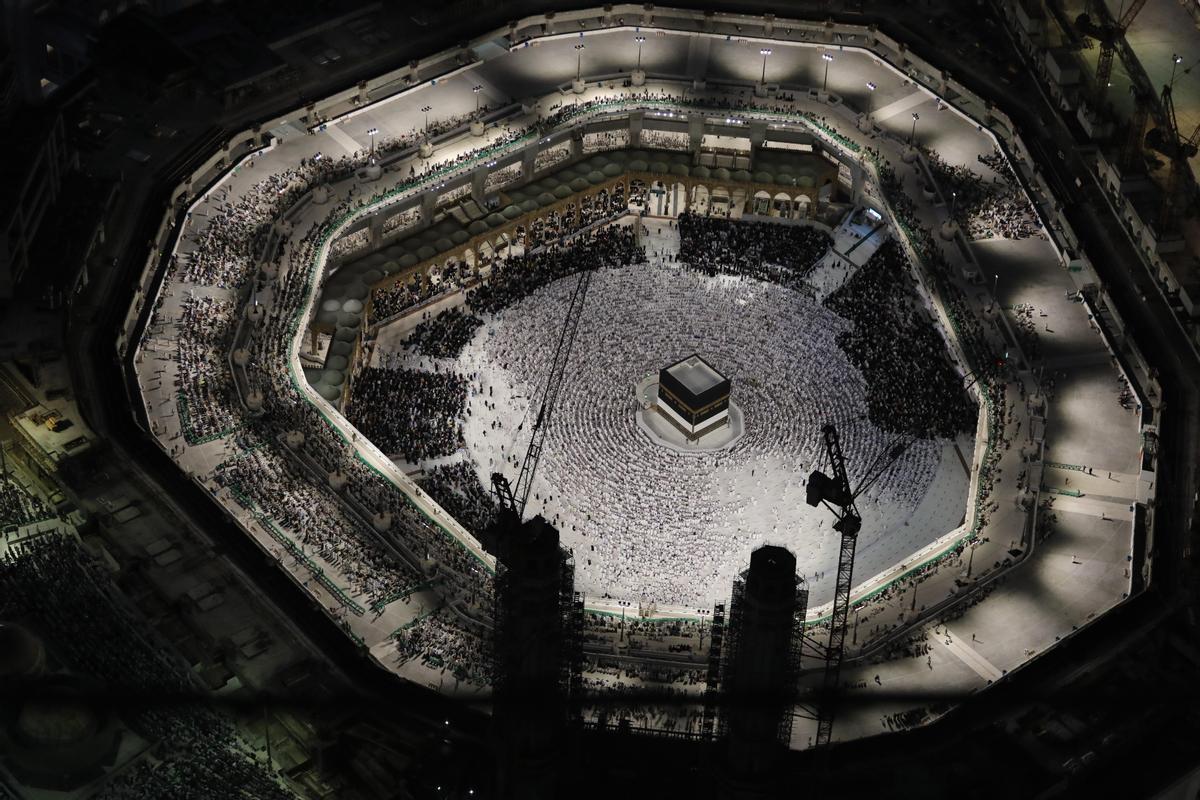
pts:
[660, 430]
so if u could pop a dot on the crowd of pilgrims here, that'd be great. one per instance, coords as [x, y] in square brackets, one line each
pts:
[18, 505]
[985, 209]
[518, 276]
[287, 494]
[222, 244]
[201, 370]
[912, 388]
[444, 335]
[446, 642]
[409, 414]
[616, 493]
[741, 100]
[390, 301]
[641, 681]
[629, 698]
[317, 531]
[415, 414]
[546, 231]
[968, 326]
[592, 208]
[457, 489]
[93, 633]
[768, 251]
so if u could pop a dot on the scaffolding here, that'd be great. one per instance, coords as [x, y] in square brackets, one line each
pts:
[712, 686]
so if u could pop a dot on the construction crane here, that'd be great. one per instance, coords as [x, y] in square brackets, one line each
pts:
[513, 499]
[1169, 141]
[1108, 32]
[835, 493]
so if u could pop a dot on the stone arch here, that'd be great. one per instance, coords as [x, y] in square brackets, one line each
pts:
[638, 195]
[737, 201]
[719, 204]
[503, 245]
[804, 206]
[486, 254]
[781, 205]
[761, 203]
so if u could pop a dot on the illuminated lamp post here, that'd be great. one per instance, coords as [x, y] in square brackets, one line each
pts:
[577, 86]
[638, 77]
[477, 125]
[761, 89]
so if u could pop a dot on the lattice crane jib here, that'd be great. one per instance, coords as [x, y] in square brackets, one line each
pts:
[1172, 143]
[1108, 35]
[515, 497]
[835, 493]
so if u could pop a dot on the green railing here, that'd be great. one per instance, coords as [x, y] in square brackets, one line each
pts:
[399, 594]
[185, 424]
[286, 542]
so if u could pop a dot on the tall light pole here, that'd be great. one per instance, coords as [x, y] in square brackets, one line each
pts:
[476, 90]
[579, 61]
[426, 110]
[764, 52]
[371, 133]
[828, 59]
[871, 97]
[1175, 61]
[912, 135]
[641, 40]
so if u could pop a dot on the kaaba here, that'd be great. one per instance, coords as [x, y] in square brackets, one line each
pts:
[693, 396]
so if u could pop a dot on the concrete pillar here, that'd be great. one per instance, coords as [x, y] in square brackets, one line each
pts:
[478, 181]
[758, 133]
[376, 235]
[696, 131]
[636, 118]
[857, 179]
[576, 147]
[528, 157]
[428, 206]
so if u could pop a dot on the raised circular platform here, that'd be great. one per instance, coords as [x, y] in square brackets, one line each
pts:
[660, 430]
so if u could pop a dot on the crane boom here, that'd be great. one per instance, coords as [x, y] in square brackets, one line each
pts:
[1171, 142]
[1108, 34]
[836, 494]
[848, 524]
[515, 498]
